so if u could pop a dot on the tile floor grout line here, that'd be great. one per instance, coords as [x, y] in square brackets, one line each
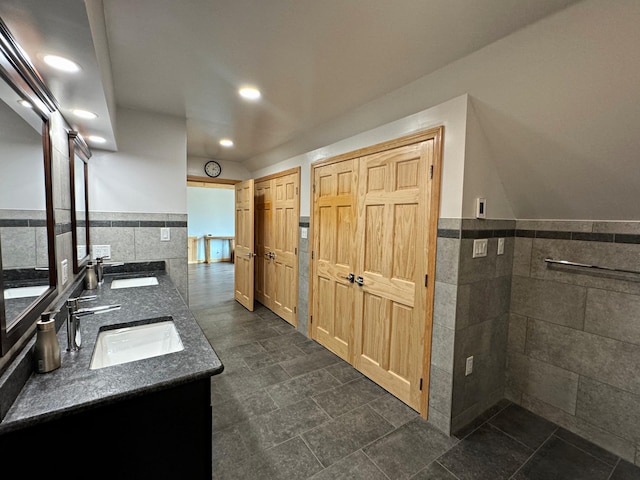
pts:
[452, 474]
[531, 456]
[614, 468]
[515, 439]
[374, 463]
[314, 454]
[584, 451]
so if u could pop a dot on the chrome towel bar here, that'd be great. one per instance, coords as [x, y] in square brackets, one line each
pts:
[584, 265]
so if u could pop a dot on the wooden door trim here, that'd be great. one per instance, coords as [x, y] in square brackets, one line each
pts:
[434, 214]
[281, 174]
[215, 181]
[417, 137]
[436, 134]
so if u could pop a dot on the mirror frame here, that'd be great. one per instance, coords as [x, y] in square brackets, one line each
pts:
[79, 150]
[16, 69]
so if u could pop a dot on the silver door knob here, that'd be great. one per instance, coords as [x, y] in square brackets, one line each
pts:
[351, 277]
[360, 281]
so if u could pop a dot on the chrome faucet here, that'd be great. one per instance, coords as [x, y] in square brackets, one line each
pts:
[74, 313]
[100, 268]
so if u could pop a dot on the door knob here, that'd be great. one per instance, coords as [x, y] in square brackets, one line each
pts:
[351, 277]
[360, 281]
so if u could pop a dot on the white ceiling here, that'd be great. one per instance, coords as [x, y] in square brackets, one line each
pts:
[553, 83]
[314, 60]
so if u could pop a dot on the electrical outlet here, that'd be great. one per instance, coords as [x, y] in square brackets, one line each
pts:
[165, 234]
[303, 232]
[101, 251]
[480, 248]
[501, 246]
[469, 369]
[64, 269]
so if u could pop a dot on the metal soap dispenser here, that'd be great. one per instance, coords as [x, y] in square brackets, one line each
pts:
[46, 353]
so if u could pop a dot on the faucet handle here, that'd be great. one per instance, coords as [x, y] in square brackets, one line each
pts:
[76, 300]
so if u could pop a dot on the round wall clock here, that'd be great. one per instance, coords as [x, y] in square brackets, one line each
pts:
[212, 168]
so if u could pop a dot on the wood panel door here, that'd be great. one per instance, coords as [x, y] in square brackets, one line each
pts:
[286, 206]
[392, 228]
[334, 256]
[245, 244]
[264, 265]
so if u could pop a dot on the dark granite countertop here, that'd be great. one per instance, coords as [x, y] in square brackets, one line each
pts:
[74, 387]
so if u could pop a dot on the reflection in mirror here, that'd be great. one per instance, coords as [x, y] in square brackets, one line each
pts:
[27, 236]
[23, 220]
[78, 157]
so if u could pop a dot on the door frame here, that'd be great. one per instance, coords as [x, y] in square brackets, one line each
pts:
[436, 134]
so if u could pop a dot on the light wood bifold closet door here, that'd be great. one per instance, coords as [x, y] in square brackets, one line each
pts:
[277, 203]
[374, 231]
[245, 244]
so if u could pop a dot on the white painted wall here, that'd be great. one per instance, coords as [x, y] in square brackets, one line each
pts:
[452, 114]
[230, 170]
[148, 173]
[482, 176]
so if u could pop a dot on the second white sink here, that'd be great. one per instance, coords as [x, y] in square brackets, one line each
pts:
[134, 282]
[115, 346]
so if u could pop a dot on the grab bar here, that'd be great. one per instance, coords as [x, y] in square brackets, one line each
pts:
[584, 265]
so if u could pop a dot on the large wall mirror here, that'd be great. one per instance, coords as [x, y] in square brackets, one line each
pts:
[27, 236]
[79, 154]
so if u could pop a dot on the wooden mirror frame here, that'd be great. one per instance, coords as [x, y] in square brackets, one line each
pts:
[79, 151]
[17, 70]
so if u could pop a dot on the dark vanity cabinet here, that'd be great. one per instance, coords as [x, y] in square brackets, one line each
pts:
[165, 433]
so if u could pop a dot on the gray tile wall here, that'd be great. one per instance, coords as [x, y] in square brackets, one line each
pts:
[481, 319]
[135, 237]
[303, 277]
[574, 334]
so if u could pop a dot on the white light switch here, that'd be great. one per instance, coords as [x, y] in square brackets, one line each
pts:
[64, 267]
[501, 246]
[165, 234]
[480, 248]
[469, 366]
[303, 232]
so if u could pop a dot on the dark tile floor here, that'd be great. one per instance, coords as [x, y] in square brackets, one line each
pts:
[286, 408]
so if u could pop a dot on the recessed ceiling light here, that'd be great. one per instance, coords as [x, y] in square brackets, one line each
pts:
[96, 139]
[61, 63]
[250, 93]
[84, 114]
[25, 104]
[225, 142]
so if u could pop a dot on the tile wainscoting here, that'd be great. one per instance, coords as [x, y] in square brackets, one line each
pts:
[135, 237]
[574, 334]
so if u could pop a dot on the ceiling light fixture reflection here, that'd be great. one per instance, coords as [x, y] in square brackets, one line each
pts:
[225, 142]
[84, 114]
[250, 93]
[96, 139]
[61, 63]
[25, 104]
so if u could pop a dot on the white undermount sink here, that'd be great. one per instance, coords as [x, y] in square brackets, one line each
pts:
[24, 292]
[134, 282]
[117, 344]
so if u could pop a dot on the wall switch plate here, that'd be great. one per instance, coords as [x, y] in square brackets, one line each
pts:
[64, 268]
[165, 234]
[501, 246]
[480, 248]
[101, 251]
[469, 368]
[303, 232]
